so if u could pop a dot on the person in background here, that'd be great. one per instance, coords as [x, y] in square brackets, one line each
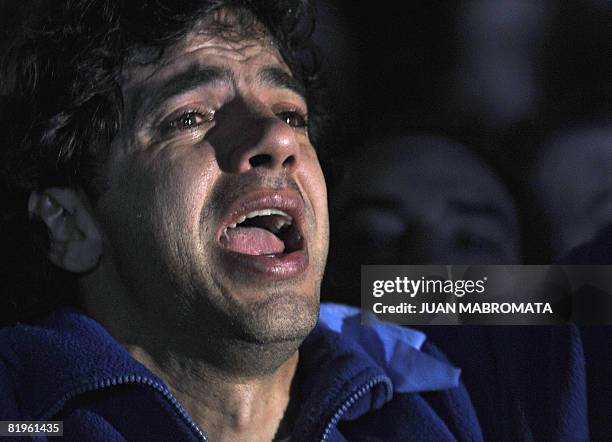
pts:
[418, 199]
[572, 185]
[497, 81]
[424, 199]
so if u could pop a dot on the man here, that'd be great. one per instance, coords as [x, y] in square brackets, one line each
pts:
[571, 182]
[423, 199]
[167, 150]
[418, 199]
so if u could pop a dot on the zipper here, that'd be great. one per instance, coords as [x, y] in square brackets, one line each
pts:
[123, 380]
[351, 400]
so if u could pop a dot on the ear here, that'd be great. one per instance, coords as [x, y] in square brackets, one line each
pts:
[76, 240]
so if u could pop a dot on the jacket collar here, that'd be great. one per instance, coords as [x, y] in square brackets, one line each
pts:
[344, 357]
[66, 353]
[338, 358]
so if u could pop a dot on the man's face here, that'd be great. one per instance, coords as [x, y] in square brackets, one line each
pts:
[216, 210]
[418, 200]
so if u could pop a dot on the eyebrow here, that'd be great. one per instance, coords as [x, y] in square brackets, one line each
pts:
[203, 75]
[276, 77]
[195, 77]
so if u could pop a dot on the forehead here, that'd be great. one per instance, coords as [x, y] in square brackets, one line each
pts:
[240, 49]
[408, 168]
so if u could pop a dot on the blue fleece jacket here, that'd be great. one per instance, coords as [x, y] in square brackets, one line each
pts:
[376, 382]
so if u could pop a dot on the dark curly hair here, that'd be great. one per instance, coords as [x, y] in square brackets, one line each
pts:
[61, 107]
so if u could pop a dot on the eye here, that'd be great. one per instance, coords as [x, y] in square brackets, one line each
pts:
[293, 119]
[468, 242]
[190, 120]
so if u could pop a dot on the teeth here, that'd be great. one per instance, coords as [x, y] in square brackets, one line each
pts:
[264, 212]
[278, 225]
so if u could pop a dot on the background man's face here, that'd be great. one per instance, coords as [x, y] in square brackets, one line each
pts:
[426, 200]
[212, 133]
[419, 200]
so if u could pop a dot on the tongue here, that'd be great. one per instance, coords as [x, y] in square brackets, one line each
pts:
[252, 241]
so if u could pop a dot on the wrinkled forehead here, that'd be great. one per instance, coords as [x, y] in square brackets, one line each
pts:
[236, 33]
[234, 27]
[240, 51]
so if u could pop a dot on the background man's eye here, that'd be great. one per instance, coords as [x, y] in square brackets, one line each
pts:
[293, 119]
[191, 119]
[469, 242]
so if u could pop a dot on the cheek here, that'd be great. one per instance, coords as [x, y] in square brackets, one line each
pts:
[314, 185]
[182, 184]
[165, 188]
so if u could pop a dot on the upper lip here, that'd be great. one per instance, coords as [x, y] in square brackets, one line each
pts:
[285, 200]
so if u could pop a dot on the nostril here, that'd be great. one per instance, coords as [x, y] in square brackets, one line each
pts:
[258, 160]
[289, 161]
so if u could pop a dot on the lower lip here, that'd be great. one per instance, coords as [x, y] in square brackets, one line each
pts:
[274, 267]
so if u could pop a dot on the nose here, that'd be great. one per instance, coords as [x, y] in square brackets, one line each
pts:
[420, 243]
[262, 140]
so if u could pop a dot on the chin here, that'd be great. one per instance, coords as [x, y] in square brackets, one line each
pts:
[281, 317]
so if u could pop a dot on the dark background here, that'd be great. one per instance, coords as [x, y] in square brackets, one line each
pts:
[500, 77]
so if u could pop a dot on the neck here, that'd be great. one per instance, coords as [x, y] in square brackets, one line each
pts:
[233, 390]
[227, 406]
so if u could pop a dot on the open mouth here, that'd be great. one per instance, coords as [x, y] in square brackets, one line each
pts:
[262, 232]
[264, 223]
